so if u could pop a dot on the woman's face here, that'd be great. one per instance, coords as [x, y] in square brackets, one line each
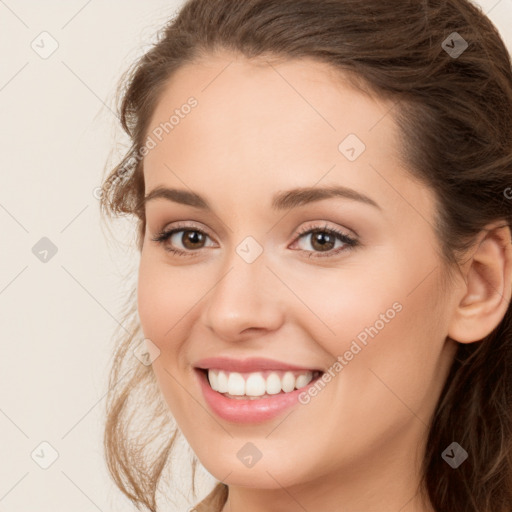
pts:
[254, 281]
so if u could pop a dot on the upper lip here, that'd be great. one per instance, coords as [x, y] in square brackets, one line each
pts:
[248, 365]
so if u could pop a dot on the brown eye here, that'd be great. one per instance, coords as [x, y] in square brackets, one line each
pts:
[183, 241]
[192, 239]
[322, 240]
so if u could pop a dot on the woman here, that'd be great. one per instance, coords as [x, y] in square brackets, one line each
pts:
[322, 196]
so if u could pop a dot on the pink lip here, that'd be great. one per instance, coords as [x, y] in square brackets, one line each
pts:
[247, 410]
[252, 364]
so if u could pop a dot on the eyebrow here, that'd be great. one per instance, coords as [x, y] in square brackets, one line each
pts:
[281, 201]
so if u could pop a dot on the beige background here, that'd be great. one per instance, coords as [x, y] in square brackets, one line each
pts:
[57, 130]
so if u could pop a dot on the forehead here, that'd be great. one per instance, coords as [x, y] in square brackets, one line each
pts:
[274, 124]
[272, 101]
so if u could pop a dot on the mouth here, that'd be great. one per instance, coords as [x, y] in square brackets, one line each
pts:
[255, 389]
[258, 385]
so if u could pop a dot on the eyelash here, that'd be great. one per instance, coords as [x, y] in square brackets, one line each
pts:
[349, 242]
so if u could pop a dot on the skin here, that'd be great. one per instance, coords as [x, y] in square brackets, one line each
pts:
[260, 129]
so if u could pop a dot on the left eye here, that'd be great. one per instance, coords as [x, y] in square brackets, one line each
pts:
[323, 240]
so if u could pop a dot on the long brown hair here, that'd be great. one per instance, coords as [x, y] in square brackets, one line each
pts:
[455, 117]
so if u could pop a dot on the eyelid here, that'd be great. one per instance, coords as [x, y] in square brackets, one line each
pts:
[187, 226]
[325, 226]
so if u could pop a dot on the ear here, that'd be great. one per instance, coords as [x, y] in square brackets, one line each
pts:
[487, 290]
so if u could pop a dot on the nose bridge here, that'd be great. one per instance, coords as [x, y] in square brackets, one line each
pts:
[245, 295]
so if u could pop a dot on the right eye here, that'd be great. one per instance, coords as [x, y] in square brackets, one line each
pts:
[191, 239]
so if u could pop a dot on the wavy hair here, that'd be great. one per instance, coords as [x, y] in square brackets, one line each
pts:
[455, 118]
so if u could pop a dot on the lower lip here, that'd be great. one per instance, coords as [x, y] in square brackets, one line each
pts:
[248, 411]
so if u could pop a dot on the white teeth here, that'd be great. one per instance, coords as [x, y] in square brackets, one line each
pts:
[222, 382]
[288, 382]
[302, 380]
[255, 385]
[214, 380]
[273, 384]
[236, 384]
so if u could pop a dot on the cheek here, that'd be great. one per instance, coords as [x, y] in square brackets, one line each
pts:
[337, 305]
[375, 314]
[390, 344]
[163, 297]
[164, 306]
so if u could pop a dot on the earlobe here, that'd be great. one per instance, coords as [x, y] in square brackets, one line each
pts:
[488, 287]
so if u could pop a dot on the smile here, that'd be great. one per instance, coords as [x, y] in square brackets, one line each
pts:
[257, 385]
[253, 397]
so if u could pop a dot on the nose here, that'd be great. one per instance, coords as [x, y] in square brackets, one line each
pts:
[248, 300]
